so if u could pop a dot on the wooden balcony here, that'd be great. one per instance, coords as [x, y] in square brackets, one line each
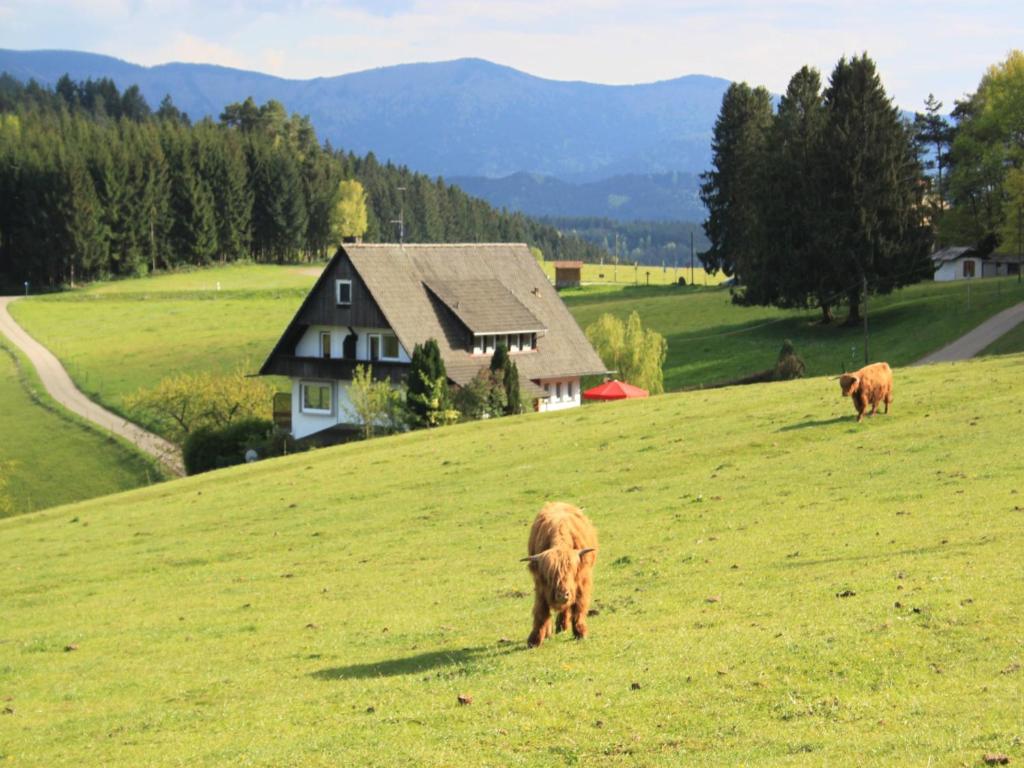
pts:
[334, 368]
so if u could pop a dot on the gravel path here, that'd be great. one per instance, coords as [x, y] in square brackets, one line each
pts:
[973, 342]
[64, 391]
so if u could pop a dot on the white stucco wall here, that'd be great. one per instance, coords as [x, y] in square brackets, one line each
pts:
[555, 403]
[342, 412]
[954, 270]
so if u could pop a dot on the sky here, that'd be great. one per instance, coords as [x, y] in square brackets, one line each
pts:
[920, 47]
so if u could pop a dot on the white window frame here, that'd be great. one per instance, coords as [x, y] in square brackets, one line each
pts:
[337, 293]
[570, 395]
[316, 411]
[558, 391]
[398, 347]
[369, 346]
[327, 335]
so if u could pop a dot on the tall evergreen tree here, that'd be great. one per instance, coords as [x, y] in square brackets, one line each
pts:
[874, 211]
[734, 188]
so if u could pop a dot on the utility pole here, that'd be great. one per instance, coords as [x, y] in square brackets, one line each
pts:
[400, 221]
[1020, 241]
[865, 319]
[691, 257]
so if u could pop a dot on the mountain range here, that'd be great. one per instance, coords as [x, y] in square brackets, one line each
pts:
[467, 118]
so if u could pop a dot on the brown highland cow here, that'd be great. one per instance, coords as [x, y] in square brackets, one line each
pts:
[563, 544]
[872, 385]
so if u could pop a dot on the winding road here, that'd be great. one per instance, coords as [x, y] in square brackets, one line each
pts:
[973, 342]
[64, 391]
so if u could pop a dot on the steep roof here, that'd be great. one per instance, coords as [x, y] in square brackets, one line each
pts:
[444, 291]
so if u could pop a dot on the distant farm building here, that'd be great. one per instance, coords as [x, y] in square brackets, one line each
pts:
[373, 304]
[567, 274]
[966, 263]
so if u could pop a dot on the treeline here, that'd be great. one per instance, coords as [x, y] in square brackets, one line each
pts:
[976, 188]
[94, 183]
[820, 202]
[655, 243]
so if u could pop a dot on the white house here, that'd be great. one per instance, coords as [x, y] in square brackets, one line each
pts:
[373, 303]
[965, 263]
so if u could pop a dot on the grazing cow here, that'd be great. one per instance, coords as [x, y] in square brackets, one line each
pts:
[563, 550]
[872, 385]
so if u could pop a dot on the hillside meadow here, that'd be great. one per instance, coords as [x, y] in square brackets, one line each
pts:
[49, 457]
[777, 585]
[116, 338]
[711, 340]
[641, 274]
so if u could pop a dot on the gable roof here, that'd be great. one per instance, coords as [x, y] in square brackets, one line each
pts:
[443, 291]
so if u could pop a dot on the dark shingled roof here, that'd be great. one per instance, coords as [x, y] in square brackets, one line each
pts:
[485, 306]
[398, 276]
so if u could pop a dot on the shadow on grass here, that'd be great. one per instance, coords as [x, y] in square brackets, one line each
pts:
[413, 665]
[960, 548]
[817, 423]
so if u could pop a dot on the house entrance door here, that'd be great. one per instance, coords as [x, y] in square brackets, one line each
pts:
[375, 347]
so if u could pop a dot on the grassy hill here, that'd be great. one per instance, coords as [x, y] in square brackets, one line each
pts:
[47, 457]
[711, 340]
[777, 585]
[182, 322]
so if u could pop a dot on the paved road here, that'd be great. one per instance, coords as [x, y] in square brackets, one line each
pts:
[63, 390]
[973, 342]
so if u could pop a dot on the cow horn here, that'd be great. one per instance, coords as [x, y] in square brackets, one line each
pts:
[587, 549]
[530, 559]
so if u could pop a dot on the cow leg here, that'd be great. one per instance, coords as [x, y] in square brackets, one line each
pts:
[581, 607]
[541, 622]
[562, 620]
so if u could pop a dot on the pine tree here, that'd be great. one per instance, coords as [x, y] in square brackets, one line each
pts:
[427, 396]
[734, 188]
[874, 216]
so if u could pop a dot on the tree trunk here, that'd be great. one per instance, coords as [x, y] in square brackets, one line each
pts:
[853, 318]
[826, 314]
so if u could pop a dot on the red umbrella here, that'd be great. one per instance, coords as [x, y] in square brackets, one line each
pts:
[614, 390]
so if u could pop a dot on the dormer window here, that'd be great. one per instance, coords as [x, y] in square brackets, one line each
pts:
[343, 292]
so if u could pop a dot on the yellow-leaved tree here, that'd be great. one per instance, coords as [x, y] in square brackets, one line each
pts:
[348, 218]
[635, 353]
[183, 403]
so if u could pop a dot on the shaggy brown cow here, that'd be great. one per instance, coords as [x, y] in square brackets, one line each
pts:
[563, 544]
[872, 385]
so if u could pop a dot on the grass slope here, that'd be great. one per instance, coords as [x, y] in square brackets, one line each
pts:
[47, 457]
[328, 608]
[643, 274]
[711, 340]
[119, 337]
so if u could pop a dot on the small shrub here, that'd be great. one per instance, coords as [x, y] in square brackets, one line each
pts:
[789, 365]
[216, 447]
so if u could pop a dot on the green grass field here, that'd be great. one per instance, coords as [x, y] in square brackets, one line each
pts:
[777, 585]
[114, 342]
[1011, 343]
[711, 340]
[47, 457]
[642, 274]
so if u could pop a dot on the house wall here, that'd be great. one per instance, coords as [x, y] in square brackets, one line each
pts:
[309, 344]
[954, 270]
[342, 412]
[556, 403]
